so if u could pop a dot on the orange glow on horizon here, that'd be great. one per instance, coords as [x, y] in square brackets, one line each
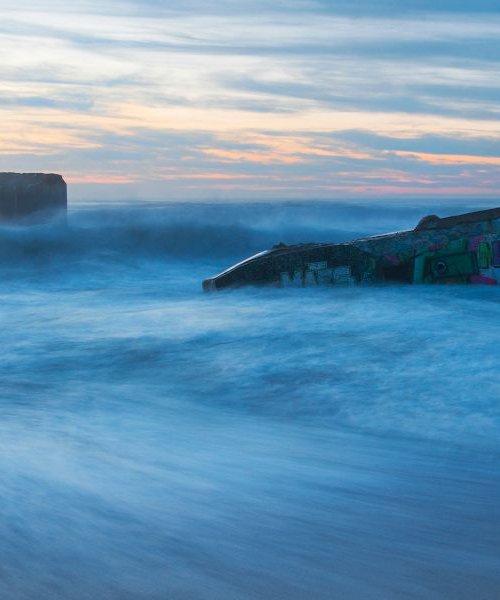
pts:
[100, 179]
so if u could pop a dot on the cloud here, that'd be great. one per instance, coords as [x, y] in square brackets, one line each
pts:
[298, 96]
[476, 146]
[450, 159]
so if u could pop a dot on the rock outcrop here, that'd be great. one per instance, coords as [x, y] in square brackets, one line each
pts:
[24, 194]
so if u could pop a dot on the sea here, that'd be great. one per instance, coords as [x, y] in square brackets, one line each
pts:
[162, 443]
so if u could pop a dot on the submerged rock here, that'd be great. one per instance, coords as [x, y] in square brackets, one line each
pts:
[24, 194]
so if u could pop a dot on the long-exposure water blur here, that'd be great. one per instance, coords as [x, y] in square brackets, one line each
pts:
[162, 443]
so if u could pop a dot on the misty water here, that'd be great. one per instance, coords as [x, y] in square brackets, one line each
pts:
[161, 443]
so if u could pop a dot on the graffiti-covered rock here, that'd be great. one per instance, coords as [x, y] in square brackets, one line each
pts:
[459, 249]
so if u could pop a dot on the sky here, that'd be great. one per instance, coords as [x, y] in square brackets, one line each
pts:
[251, 99]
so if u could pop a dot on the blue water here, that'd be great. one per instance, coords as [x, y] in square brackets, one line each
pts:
[161, 443]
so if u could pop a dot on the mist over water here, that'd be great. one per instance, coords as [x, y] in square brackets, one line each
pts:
[161, 443]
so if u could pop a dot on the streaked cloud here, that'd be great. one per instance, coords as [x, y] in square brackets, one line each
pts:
[451, 159]
[299, 98]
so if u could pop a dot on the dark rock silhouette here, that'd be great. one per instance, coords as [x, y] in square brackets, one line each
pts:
[25, 194]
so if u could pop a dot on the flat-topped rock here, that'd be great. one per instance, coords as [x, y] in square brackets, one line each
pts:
[23, 194]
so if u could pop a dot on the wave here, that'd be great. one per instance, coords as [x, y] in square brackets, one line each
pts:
[162, 232]
[193, 231]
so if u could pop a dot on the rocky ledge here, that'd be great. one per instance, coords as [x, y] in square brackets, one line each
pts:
[24, 194]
